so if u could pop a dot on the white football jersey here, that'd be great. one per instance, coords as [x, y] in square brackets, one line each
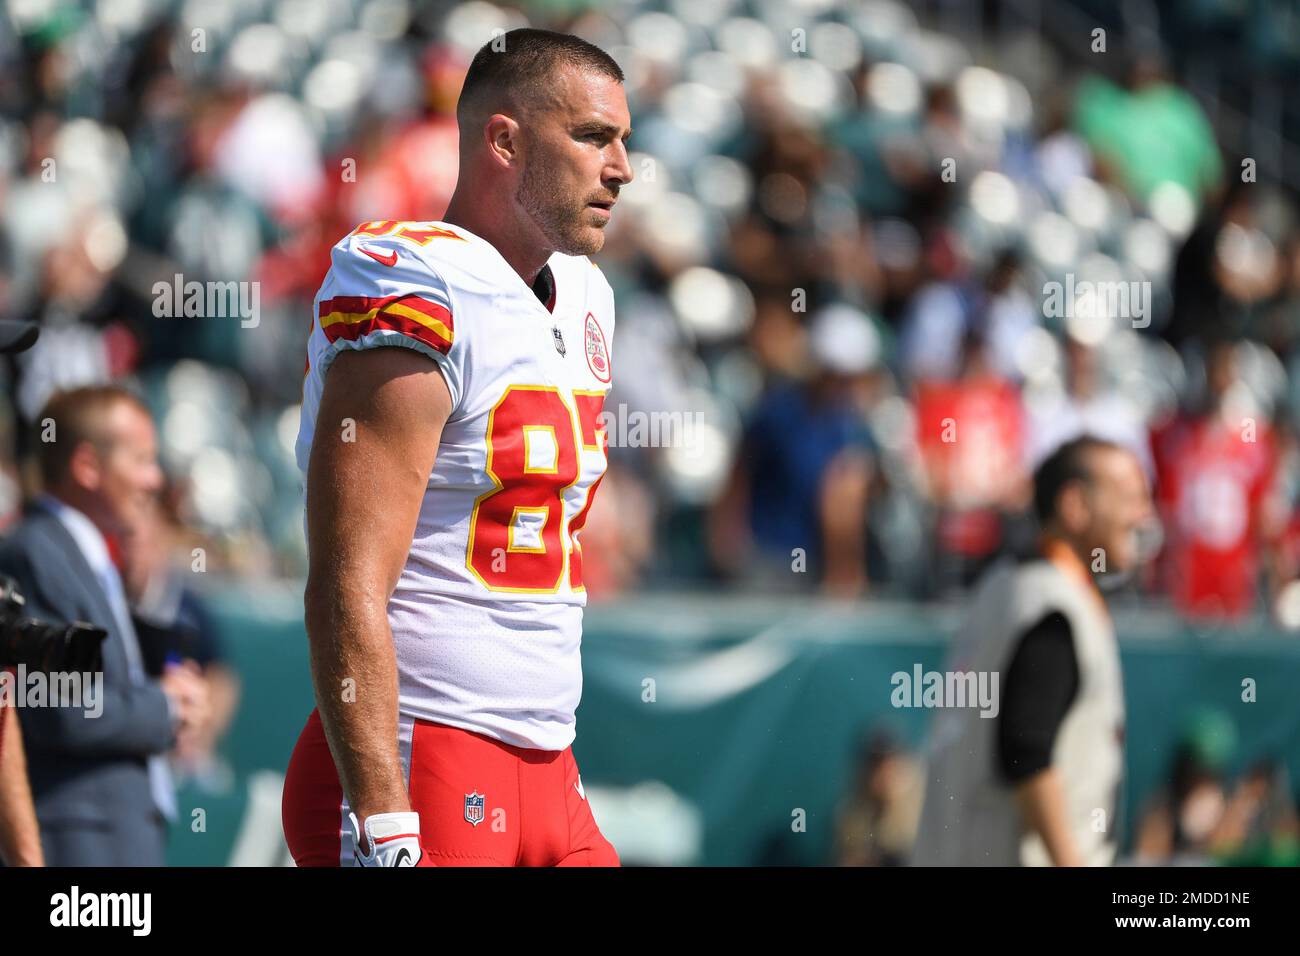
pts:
[487, 614]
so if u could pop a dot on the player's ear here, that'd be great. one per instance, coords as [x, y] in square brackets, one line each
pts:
[502, 135]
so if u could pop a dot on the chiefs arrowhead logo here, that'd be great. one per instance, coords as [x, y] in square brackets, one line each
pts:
[388, 260]
[596, 349]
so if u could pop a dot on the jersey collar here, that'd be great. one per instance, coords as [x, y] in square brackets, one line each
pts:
[544, 288]
[547, 303]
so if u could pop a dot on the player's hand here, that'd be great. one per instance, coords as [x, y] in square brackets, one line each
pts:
[393, 839]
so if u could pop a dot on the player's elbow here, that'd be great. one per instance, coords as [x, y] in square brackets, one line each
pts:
[315, 614]
[335, 604]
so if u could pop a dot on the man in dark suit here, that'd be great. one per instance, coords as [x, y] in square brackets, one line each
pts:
[101, 784]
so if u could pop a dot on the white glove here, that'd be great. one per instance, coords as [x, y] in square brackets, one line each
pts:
[394, 839]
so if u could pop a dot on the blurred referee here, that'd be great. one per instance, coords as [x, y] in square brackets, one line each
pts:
[1038, 783]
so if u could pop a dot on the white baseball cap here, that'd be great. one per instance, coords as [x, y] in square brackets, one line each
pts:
[844, 340]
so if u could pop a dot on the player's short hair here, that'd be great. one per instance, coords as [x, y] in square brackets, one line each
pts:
[77, 415]
[516, 70]
[1070, 462]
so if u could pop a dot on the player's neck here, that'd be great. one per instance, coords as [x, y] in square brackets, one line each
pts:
[525, 259]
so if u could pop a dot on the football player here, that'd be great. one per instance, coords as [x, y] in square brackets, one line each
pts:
[451, 447]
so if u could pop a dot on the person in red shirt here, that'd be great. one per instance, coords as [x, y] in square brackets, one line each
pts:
[971, 435]
[1216, 473]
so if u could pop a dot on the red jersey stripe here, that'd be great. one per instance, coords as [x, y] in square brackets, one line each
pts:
[351, 317]
[340, 325]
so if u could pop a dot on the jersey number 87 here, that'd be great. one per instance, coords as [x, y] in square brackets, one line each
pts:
[533, 457]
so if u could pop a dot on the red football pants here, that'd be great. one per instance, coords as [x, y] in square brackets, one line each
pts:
[532, 810]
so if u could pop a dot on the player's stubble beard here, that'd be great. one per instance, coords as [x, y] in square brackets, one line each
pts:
[558, 215]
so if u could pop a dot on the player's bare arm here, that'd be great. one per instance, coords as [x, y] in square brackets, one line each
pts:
[1042, 802]
[363, 500]
[20, 843]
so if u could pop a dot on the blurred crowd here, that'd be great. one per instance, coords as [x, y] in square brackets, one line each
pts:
[835, 262]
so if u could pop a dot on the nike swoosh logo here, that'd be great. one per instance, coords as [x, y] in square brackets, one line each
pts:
[388, 260]
[403, 855]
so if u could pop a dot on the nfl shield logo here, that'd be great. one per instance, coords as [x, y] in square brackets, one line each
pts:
[474, 807]
[559, 339]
